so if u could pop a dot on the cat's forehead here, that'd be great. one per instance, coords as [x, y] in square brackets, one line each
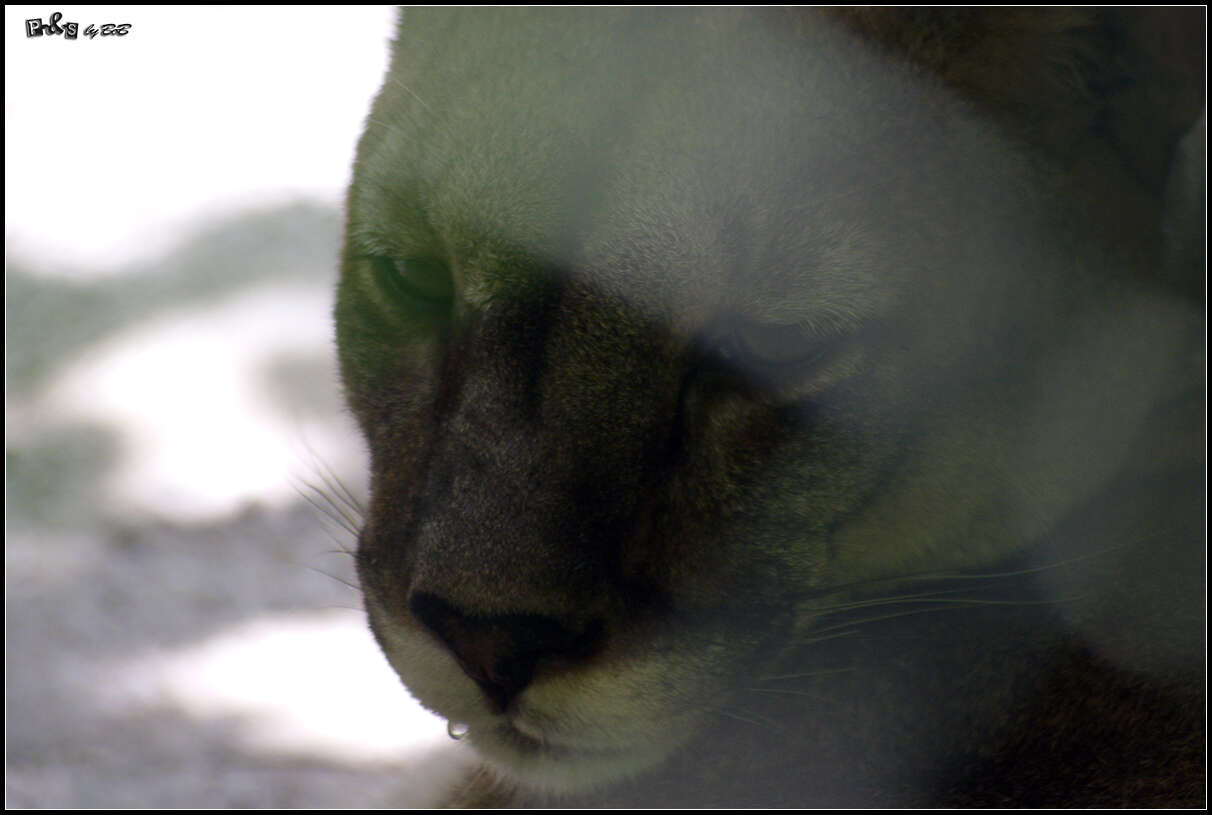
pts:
[686, 159]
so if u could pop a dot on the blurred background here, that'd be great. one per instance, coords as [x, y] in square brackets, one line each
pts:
[181, 628]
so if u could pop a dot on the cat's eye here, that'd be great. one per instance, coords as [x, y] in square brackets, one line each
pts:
[775, 351]
[788, 359]
[419, 284]
[774, 346]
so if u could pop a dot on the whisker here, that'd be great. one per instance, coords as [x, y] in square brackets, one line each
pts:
[433, 116]
[340, 580]
[946, 605]
[341, 547]
[400, 83]
[760, 721]
[792, 692]
[341, 607]
[350, 523]
[933, 598]
[902, 598]
[337, 486]
[968, 576]
[839, 635]
[804, 675]
[336, 516]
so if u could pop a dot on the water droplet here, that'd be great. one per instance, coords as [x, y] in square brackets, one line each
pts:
[456, 731]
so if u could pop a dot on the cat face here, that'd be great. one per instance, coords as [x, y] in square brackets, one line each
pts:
[669, 330]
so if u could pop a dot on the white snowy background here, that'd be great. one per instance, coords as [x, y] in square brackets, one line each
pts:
[178, 628]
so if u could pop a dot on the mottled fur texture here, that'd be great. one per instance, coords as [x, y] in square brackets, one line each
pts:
[788, 407]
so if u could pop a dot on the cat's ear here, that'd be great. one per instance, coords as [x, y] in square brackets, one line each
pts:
[1132, 78]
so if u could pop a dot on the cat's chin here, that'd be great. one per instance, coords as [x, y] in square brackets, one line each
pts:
[528, 757]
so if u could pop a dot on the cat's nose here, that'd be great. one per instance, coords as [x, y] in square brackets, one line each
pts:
[500, 652]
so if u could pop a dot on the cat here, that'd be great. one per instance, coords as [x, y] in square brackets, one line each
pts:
[787, 407]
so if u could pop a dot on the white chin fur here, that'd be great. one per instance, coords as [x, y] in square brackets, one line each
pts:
[561, 769]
